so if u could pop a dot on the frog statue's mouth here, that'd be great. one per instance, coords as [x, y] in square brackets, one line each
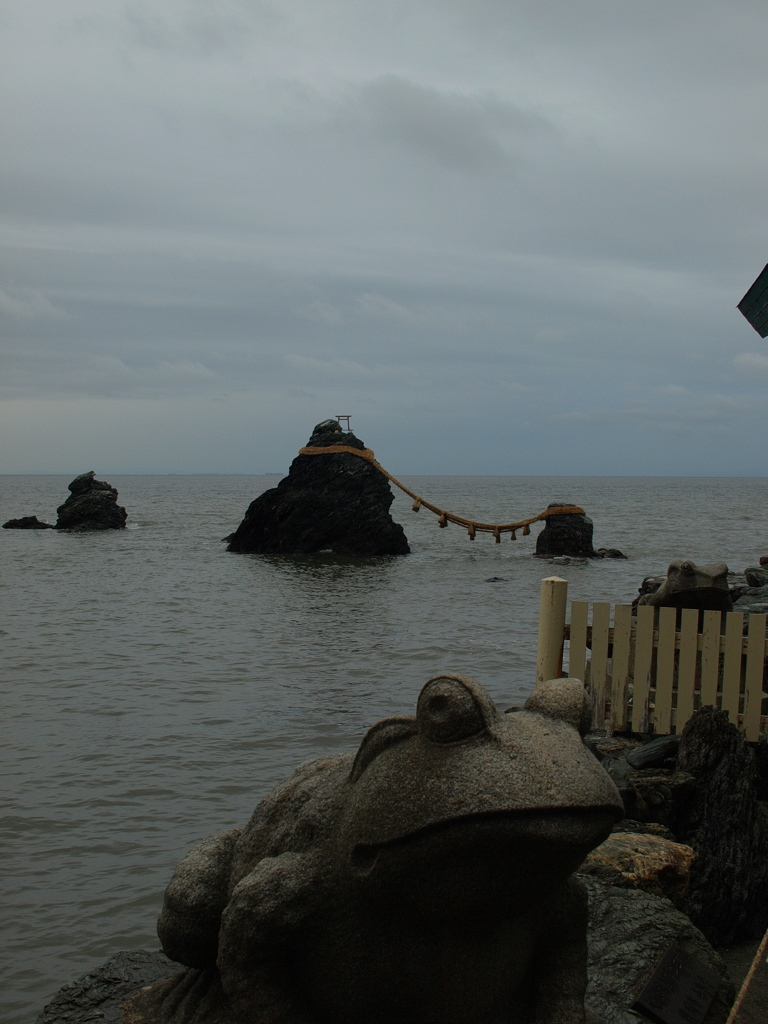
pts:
[555, 837]
[493, 862]
[461, 799]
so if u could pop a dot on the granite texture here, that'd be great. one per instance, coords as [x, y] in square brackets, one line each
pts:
[688, 585]
[629, 932]
[425, 880]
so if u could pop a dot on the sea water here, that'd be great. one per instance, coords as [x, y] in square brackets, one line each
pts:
[155, 687]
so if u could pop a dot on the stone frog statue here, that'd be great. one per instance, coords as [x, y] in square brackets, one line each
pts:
[424, 880]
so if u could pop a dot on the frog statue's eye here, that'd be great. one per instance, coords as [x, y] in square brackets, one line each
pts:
[379, 737]
[453, 708]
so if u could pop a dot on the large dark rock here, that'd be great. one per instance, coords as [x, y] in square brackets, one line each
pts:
[91, 505]
[727, 827]
[97, 997]
[425, 880]
[570, 534]
[337, 502]
[752, 599]
[27, 523]
[756, 576]
[629, 932]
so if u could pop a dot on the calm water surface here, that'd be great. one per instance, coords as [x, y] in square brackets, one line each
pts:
[154, 687]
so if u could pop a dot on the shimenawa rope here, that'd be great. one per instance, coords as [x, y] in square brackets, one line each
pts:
[471, 525]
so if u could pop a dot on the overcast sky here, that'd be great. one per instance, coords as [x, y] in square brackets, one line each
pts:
[506, 236]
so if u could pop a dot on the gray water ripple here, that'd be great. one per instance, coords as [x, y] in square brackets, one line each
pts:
[155, 687]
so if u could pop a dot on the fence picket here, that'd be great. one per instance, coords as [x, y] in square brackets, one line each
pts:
[665, 670]
[577, 654]
[710, 658]
[753, 676]
[601, 621]
[734, 630]
[686, 666]
[622, 648]
[643, 664]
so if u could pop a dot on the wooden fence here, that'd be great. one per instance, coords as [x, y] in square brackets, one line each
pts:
[645, 674]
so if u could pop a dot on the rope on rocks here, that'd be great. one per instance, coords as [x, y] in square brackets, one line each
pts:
[471, 525]
[734, 1014]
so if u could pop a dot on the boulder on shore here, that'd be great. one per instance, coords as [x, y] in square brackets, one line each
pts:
[725, 823]
[629, 932]
[337, 502]
[91, 505]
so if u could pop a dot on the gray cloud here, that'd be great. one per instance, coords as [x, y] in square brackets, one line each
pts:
[525, 222]
[462, 132]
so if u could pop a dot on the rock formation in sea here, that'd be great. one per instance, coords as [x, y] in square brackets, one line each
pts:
[91, 505]
[331, 502]
[27, 523]
[570, 534]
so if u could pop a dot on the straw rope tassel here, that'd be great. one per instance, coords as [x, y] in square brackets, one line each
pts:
[446, 517]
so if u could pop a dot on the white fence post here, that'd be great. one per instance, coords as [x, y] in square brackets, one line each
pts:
[552, 604]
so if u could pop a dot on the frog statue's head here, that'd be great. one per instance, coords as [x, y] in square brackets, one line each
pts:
[483, 806]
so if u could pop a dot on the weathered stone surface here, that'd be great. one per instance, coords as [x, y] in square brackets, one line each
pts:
[657, 793]
[656, 754]
[647, 828]
[642, 861]
[629, 932]
[688, 585]
[752, 599]
[336, 502]
[566, 535]
[91, 505]
[756, 576]
[725, 824]
[27, 523]
[426, 880]
[97, 997]
[570, 536]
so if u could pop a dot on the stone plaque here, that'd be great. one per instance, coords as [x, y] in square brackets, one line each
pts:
[680, 990]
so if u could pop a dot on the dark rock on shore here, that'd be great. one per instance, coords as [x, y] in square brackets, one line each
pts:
[91, 505]
[98, 996]
[337, 502]
[27, 523]
[727, 827]
[570, 534]
[752, 599]
[756, 576]
[629, 932]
